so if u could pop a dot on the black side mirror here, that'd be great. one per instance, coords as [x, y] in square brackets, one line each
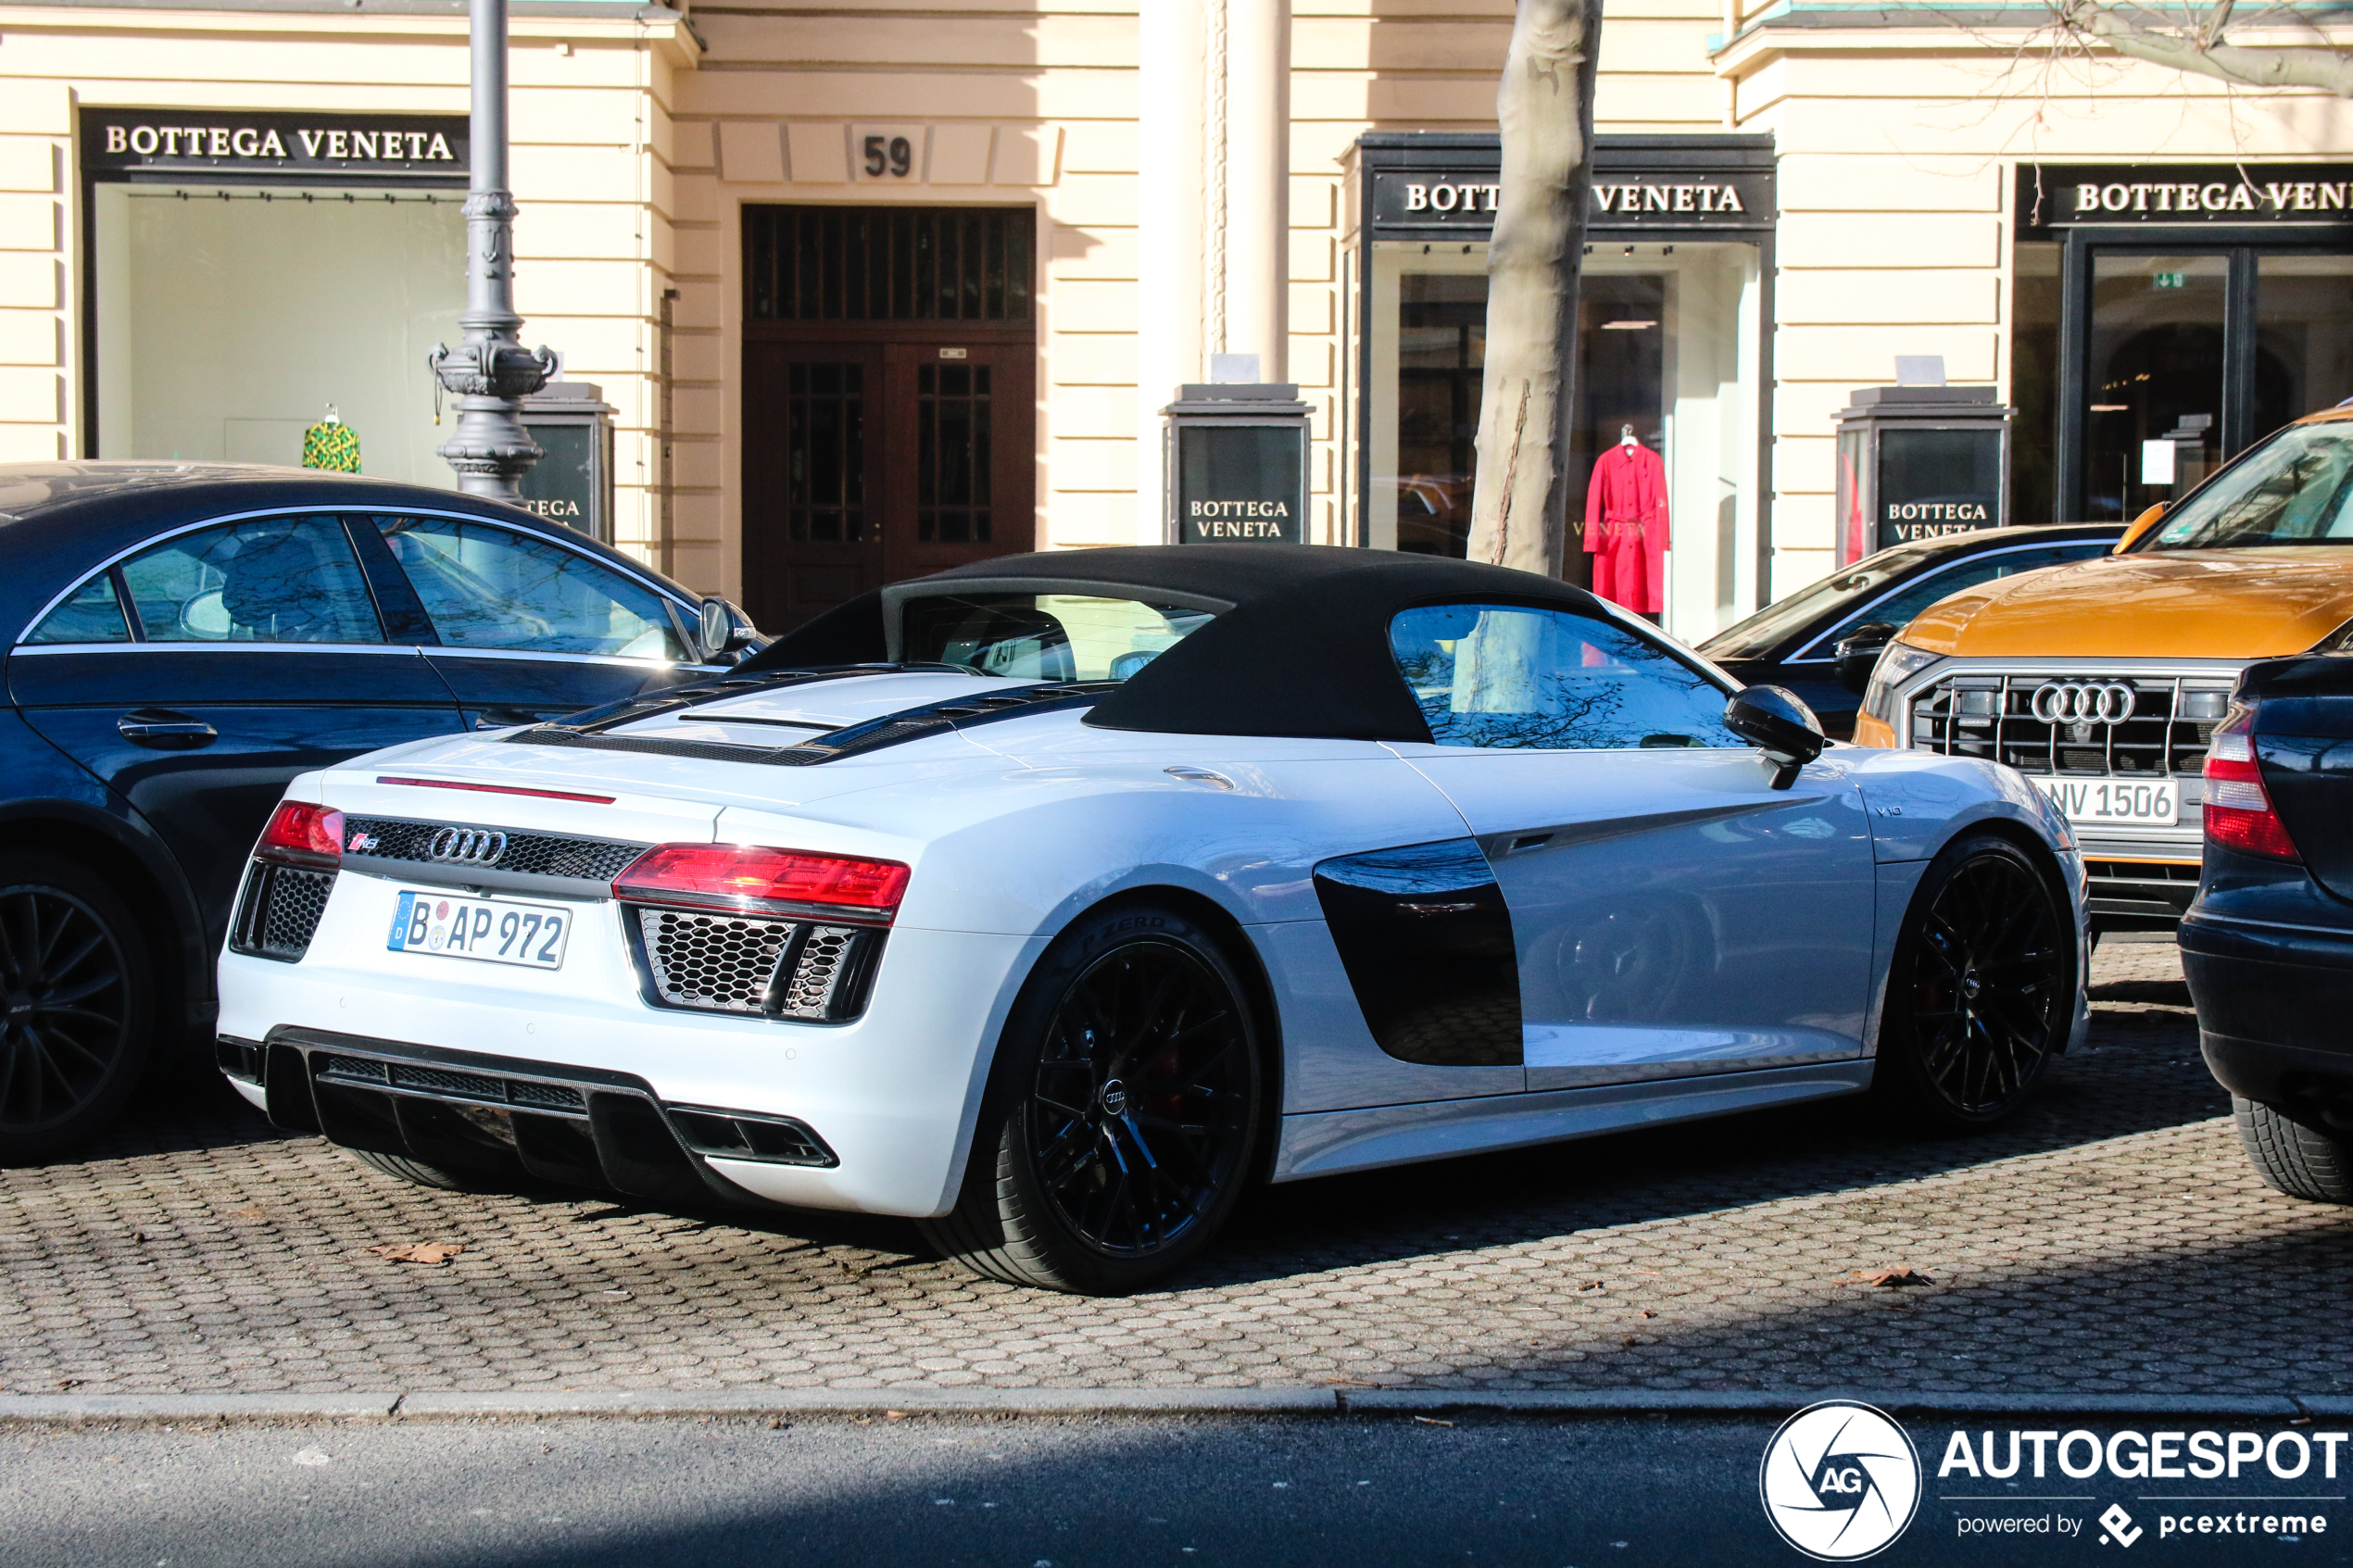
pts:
[1776, 723]
[726, 630]
[1859, 651]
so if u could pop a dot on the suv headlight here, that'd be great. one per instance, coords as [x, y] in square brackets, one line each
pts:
[1897, 665]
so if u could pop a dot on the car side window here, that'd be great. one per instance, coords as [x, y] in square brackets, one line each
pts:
[1544, 680]
[90, 614]
[491, 587]
[1904, 605]
[269, 580]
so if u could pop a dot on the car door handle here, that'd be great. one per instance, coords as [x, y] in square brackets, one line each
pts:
[164, 730]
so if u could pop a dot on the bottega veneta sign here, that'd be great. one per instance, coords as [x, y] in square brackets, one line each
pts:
[2067, 195]
[149, 144]
[1439, 199]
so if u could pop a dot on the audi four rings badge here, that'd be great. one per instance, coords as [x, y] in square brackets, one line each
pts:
[472, 847]
[2084, 702]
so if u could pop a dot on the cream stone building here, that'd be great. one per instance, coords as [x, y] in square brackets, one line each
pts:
[873, 288]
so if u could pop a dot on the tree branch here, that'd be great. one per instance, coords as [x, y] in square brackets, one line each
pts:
[2323, 69]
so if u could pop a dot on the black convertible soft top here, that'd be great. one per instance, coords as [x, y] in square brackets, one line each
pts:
[1300, 647]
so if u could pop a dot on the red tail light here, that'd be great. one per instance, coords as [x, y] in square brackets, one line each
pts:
[303, 836]
[2238, 812]
[744, 876]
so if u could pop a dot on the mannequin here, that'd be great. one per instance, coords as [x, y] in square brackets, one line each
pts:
[1626, 525]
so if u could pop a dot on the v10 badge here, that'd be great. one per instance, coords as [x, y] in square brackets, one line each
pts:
[1841, 1481]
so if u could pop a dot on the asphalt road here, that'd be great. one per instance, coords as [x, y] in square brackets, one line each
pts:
[1023, 1493]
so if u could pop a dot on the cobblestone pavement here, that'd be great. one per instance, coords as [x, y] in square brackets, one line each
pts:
[2112, 1239]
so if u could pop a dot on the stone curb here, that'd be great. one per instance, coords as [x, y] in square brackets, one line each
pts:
[1789, 1400]
[447, 1405]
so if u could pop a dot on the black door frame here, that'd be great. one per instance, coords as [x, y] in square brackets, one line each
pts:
[2242, 245]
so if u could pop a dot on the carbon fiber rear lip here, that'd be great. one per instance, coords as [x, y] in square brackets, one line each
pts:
[622, 1139]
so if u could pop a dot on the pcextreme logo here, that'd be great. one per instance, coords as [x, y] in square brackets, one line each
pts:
[1840, 1481]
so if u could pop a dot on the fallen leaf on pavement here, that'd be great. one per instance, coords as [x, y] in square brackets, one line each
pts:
[1432, 1421]
[419, 1252]
[1894, 1279]
[896, 1415]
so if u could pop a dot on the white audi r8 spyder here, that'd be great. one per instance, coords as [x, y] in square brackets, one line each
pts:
[1053, 900]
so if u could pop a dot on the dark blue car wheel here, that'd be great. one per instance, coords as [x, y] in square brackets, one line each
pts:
[75, 1015]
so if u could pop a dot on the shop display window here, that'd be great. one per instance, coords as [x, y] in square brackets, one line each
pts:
[231, 318]
[1668, 358]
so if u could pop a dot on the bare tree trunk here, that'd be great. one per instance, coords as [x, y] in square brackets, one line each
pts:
[1519, 503]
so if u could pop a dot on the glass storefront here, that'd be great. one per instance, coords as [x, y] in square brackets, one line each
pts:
[248, 271]
[2198, 326]
[229, 320]
[2155, 381]
[1673, 364]
[1667, 357]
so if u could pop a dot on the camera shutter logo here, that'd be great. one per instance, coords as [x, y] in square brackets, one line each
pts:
[1841, 1481]
[2084, 702]
[468, 847]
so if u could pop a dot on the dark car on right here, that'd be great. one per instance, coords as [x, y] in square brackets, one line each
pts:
[2268, 945]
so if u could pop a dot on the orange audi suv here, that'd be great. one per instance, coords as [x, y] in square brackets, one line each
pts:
[2103, 680]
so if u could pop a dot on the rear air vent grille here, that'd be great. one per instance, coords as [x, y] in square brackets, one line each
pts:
[441, 1083]
[280, 910]
[711, 962]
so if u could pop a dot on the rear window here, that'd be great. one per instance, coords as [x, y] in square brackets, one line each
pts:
[1044, 636]
[2295, 489]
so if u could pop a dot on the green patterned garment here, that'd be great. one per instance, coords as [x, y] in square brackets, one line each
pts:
[331, 444]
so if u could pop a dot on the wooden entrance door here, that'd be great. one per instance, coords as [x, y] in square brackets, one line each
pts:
[889, 400]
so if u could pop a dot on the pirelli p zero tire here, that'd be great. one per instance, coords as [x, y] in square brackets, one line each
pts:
[1981, 992]
[2298, 1161]
[77, 1005]
[1123, 1109]
[416, 1173]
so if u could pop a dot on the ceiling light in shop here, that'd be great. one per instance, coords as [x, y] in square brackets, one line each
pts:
[1625, 326]
[2110, 408]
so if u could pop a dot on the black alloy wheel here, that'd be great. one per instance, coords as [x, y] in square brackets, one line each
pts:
[75, 1014]
[1124, 1107]
[1982, 988]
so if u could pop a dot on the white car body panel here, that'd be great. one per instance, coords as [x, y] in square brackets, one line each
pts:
[1016, 827]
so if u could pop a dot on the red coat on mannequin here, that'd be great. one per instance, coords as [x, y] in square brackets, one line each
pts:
[1625, 527]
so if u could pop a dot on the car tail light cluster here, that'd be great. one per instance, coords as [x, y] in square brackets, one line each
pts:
[743, 929]
[737, 876]
[299, 834]
[2238, 811]
[287, 886]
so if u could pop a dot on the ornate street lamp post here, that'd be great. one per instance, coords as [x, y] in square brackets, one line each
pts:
[490, 369]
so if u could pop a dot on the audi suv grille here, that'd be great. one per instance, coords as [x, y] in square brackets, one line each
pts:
[523, 854]
[2085, 724]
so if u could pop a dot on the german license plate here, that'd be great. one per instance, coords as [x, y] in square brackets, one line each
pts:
[2122, 801]
[489, 930]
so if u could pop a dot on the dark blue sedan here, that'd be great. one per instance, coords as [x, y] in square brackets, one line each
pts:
[183, 639]
[2267, 946]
